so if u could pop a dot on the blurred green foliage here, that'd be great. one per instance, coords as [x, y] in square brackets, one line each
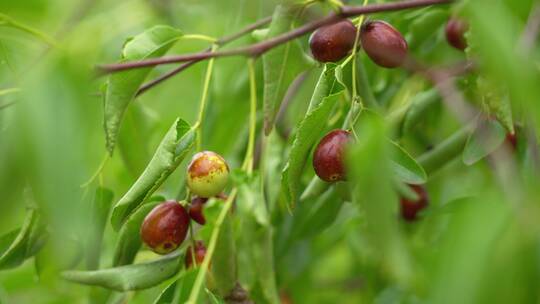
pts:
[477, 242]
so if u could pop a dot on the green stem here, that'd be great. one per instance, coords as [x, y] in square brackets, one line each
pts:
[447, 150]
[364, 88]
[194, 295]
[204, 98]
[8, 21]
[199, 37]
[248, 160]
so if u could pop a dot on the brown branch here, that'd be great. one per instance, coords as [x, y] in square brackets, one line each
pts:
[261, 47]
[222, 41]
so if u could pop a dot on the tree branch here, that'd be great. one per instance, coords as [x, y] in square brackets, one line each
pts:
[261, 47]
[222, 41]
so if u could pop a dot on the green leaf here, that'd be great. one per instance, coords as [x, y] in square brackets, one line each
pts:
[129, 238]
[99, 213]
[309, 131]
[371, 178]
[178, 291]
[129, 277]
[251, 199]
[486, 138]
[122, 86]
[405, 166]
[313, 218]
[224, 273]
[281, 64]
[27, 242]
[423, 27]
[496, 103]
[213, 298]
[171, 151]
[421, 103]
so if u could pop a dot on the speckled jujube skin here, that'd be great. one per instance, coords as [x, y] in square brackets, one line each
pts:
[207, 174]
[455, 33]
[329, 156]
[196, 209]
[383, 44]
[410, 209]
[200, 252]
[333, 42]
[165, 227]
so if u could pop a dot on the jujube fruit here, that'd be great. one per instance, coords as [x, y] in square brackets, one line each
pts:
[329, 154]
[165, 227]
[333, 42]
[410, 208]
[383, 44]
[199, 251]
[455, 33]
[207, 174]
[196, 209]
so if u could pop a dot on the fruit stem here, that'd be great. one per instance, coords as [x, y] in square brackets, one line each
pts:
[248, 160]
[447, 150]
[194, 295]
[204, 98]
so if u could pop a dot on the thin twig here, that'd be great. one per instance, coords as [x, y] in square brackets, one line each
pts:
[220, 42]
[261, 47]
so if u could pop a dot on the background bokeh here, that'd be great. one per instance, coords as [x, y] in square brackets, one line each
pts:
[478, 242]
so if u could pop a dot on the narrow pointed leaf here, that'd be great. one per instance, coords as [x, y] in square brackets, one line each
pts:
[23, 243]
[129, 277]
[171, 151]
[122, 86]
[486, 138]
[405, 166]
[100, 208]
[281, 64]
[129, 238]
[309, 132]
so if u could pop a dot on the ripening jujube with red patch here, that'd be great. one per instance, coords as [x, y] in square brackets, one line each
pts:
[165, 227]
[409, 209]
[333, 42]
[207, 174]
[196, 209]
[329, 156]
[455, 33]
[383, 44]
[200, 253]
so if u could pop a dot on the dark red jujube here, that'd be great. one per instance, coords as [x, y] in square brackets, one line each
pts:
[383, 44]
[165, 227]
[333, 42]
[410, 209]
[328, 156]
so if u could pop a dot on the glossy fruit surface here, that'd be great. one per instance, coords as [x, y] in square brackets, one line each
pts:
[196, 209]
[165, 227]
[329, 156]
[198, 258]
[409, 208]
[207, 174]
[455, 33]
[333, 42]
[383, 44]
